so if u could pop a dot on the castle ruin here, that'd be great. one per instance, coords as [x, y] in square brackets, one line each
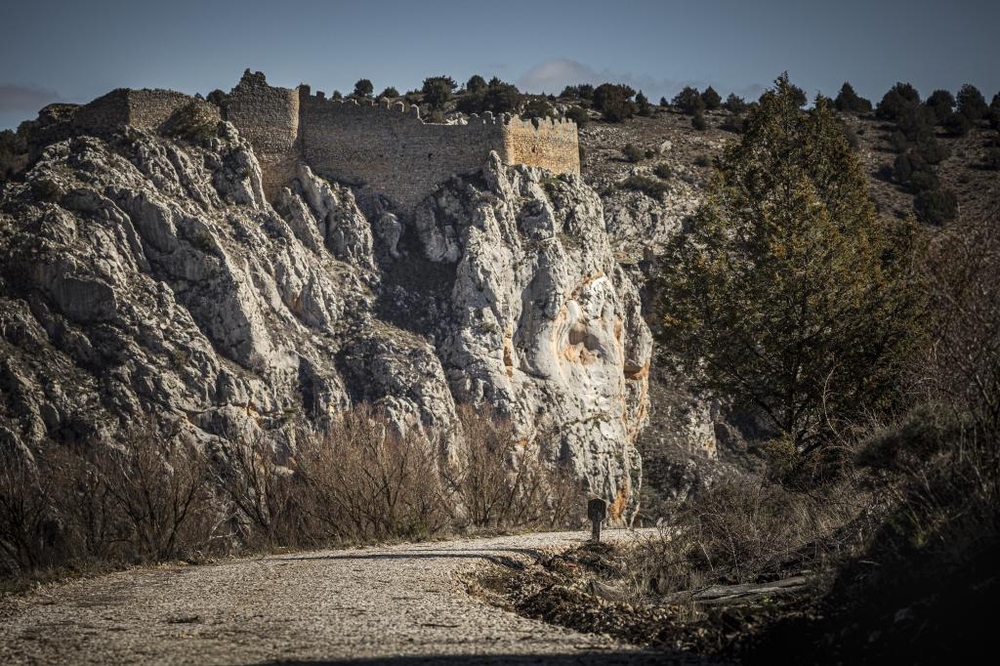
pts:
[378, 145]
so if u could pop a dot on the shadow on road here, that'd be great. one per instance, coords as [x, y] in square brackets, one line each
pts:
[495, 555]
[603, 658]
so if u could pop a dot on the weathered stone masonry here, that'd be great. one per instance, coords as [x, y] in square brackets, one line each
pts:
[389, 149]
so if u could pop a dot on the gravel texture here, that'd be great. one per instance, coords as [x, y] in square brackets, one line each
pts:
[395, 604]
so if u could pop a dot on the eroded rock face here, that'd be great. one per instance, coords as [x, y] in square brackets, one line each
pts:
[143, 278]
[544, 324]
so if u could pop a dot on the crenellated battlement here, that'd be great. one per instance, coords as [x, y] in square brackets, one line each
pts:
[386, 146]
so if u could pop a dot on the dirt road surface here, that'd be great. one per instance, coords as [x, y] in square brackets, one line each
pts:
[400, 604]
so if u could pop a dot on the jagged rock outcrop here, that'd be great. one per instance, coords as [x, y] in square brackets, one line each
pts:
[146, 278]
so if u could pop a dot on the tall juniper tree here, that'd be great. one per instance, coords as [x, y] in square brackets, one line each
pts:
[788, 294]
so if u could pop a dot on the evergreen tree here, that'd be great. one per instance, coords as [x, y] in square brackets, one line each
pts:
[788, 294]
[942, 103]
[437, 91]
[642, 105]
[363, 88]
[614, 101]
[849, 101]
[711, 99]
[475, 83]
[971, 103]
[898, 98]
[735, 104]
[689, 101]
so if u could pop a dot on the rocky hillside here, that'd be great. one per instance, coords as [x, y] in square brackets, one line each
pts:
[147, 279]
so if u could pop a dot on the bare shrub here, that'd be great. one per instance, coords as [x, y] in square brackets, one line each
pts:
[259, 491]
[27, 516]
[963, 363]
[503, 481]
[363, 480]
[743, 529]
[96, 529]
[159, 484]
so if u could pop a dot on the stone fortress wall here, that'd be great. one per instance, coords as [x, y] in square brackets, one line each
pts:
[268, 117]
[385, 147]
[388, 149]
[144, 109]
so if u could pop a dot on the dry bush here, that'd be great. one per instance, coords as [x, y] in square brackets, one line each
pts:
[962, 367]
[744, 529]
[143, 498]
[27, 516]
[159, 484]
[362, 480]
[503, 481]
[940, 466]
[259, 491]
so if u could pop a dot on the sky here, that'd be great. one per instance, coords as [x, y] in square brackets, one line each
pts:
[53, 50]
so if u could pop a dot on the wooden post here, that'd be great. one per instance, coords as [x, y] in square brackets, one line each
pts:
[597, 511]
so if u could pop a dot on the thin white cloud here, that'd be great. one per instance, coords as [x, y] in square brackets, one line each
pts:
[25, 98]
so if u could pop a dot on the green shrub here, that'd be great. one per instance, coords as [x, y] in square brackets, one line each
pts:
[389, 93]
[912, 171]
[698, 122]
[703, 161]
[578, 115]
[933, 151]
[197, 122]
[538, 107]
[651, 187]
[633, 153]
[957, 124]
[663, 170]
[936, 206]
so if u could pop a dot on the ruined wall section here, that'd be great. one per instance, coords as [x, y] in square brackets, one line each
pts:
[543, 142]
[389, 149]
[143, 109]
[269, 118]
[151, 109]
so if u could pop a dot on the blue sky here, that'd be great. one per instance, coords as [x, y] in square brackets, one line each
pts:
[75, 51]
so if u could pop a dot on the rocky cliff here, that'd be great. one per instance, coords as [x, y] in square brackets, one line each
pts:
[145, 278]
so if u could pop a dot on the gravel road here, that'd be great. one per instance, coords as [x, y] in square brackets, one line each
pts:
[401, 604]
